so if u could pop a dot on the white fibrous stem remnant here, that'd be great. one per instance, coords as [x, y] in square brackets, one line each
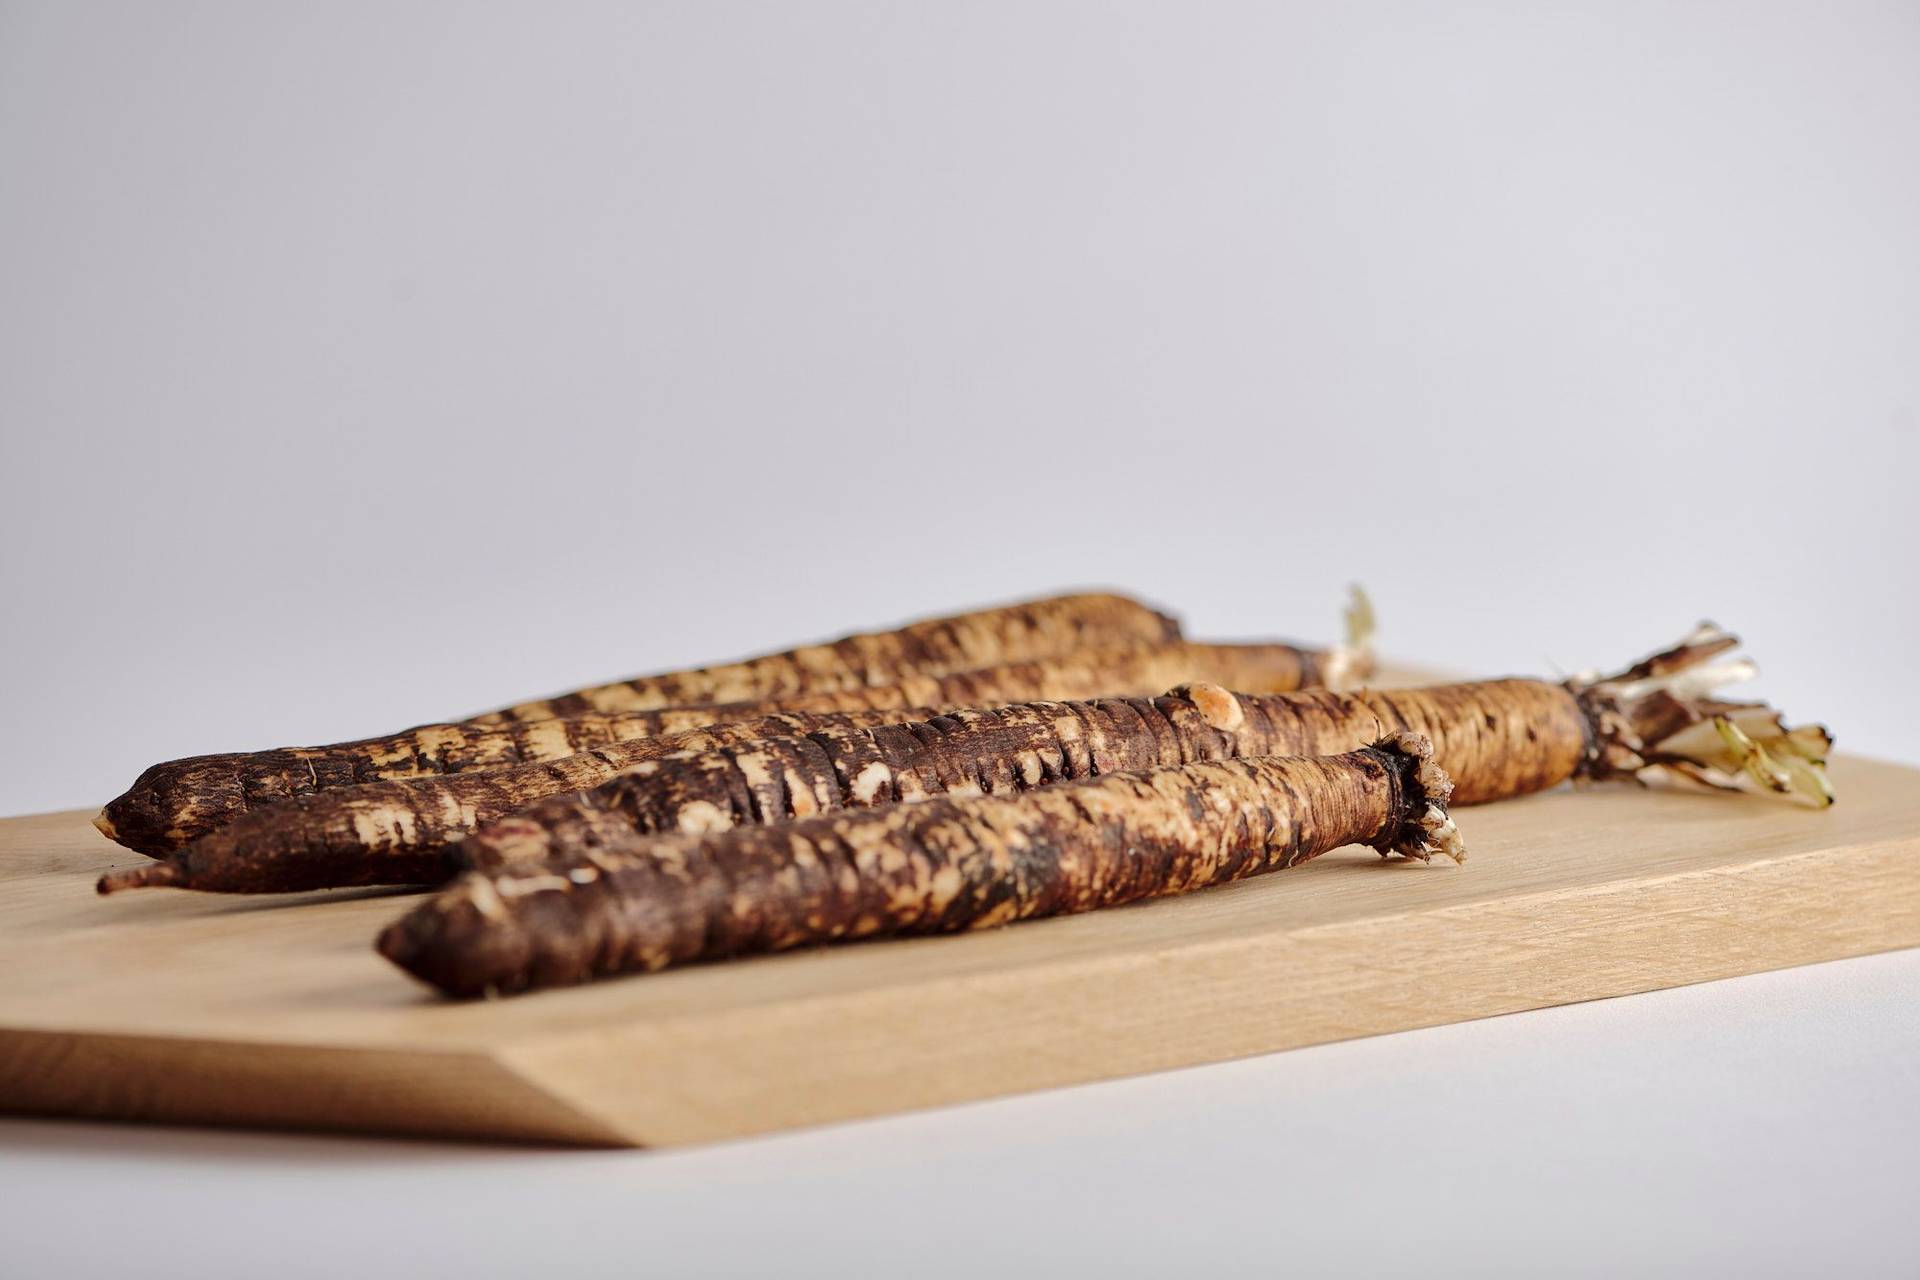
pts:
[1442, 836]
[1350, 662]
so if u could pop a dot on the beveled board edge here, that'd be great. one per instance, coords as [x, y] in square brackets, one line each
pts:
[868, 1053]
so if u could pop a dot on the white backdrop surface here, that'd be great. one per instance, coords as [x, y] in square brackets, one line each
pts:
[364, 364]
[367, 364]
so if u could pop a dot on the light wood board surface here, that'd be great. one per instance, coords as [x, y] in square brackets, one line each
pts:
[172, 1006]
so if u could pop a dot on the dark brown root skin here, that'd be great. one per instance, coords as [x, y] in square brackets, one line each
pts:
[787, 767]
[944, 865]
[179, 801]
[405, 832]
[219, 871]
[1015, 633]
[1496, 738]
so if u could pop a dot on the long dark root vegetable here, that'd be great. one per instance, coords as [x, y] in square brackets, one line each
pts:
[180, 800]
[1497, 739]
[943, 866]
[172, 804]
[407, 831]
[938, 646]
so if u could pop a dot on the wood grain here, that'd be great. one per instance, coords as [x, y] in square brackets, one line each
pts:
[276, 1012]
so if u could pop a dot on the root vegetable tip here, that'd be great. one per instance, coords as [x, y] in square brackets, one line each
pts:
[394, 944]
[152, 875]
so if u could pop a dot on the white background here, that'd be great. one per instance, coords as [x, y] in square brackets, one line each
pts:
[367, 364]
[362, 365]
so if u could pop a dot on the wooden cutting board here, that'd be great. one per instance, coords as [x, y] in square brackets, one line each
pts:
[171, 1006]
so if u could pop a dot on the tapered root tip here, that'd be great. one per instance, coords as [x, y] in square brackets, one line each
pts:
[396, 944]
[441, 943]
[152, 876]
[104, 825]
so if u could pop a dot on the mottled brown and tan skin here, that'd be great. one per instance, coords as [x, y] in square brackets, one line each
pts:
[946, 865]
[176, 802]
[1496, 738]
[963, 642]
[406, 831]
[172, 804]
